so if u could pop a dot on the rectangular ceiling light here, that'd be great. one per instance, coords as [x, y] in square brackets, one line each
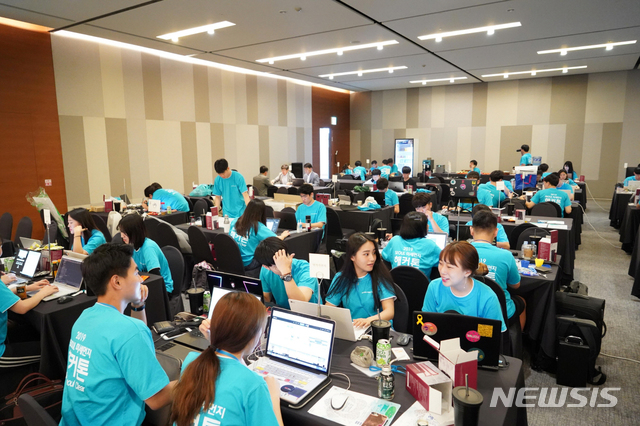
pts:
[450, 80]
[534, 72]
[197, 30]
[488, 29]
[390, 70]
[608, 46]
[338, 50]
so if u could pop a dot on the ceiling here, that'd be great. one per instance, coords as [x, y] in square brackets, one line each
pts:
[268, 28]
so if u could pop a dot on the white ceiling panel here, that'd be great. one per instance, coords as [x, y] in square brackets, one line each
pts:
[32, 17]
[72, 10]
[385, 10]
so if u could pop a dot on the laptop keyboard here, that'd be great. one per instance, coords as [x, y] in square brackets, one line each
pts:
[166, 346]
[196, 333]
[283, 373]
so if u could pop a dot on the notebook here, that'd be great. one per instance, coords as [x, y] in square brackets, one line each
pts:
[25, 265]
[273, 224]
[234, 282]
[298, 355]
[440, 238]
[345, 329]
[475, 333]
[68, 279]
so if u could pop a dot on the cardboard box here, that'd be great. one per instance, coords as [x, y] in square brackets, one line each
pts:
[429, 386]
[456, 362]
[548, 246]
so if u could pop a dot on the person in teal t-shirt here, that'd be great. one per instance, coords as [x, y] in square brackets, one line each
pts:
[147, 254]
[360, 171]
[248, 230]
[421, 201]
[500, 263]
[568, 167]
[502, 240]
[488, 193]
[634, 177]
[551, 193]
[457, 291]
[86, 236]
[526, 159]
[390, 197]
[167, 197]
[112, 370]
[216, 387]
[310, 207]
[284, 277]
[473, 166]
[385, 170]
[394, 168]
[229, 185]
[411, 248]
[364, 284]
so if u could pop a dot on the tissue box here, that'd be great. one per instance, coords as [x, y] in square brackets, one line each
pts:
[456, 362]
[429, 386]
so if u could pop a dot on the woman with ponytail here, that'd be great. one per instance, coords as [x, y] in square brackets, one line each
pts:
[216, 386]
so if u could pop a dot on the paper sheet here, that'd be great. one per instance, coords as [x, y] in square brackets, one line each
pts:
[417, 412]
[356, 409]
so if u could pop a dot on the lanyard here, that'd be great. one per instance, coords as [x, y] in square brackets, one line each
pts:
[220, 351]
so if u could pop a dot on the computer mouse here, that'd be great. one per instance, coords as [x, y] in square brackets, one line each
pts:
[404, 339]
[64, 299]
[338, 401]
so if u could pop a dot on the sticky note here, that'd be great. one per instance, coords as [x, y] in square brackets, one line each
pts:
[485, 330]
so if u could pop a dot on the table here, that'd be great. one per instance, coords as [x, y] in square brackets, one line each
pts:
[580, 194]
[55, 321]
[629, 227]
[300, 243]
[361, 220]
[618, 204]
[634, 266]
[513, 376]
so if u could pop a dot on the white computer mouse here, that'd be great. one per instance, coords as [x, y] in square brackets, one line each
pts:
[338, 401]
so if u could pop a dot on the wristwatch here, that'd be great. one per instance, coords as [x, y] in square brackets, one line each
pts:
[287, 277]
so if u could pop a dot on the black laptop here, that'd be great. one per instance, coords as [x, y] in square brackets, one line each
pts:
[25, 265]
[234, 282]
[476, 334]
[464, 188]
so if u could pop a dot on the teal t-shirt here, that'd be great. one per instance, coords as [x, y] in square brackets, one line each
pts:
[384, 171]
[420, 253]
[7, 300]
[565, 187]
[502, 235]
[231, 190]
[554, 195]
[272, 283]
[502, 269]
[526, 160]
[359, 298]
[476, 169]
[202, 190]
[111, 369]
[172, 199]
[489, 195]
[360, 171]
[394, 169]
[391, 198]
[149, 256]
[629, 179]
[95, 240]
[317, 211]
[242, 397]
[441, 221]
[480, 302]
[249, 243]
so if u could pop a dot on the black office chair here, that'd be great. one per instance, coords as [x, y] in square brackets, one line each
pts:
[24, 229]
[526, 235]
[519, 204]
[289, 210]
[515, 234]
[282, 190]
[546, 209]
[166, 236]
[6, 226]
[200, 246]
[293, 190]
[268, 211]
[200, 207]
[171, 366]
[334, 230]
[151, 224]
[414, 283]
[34, 414]
[102, 226]
[190, 202]
[405, 204]
[228, 254]
[176, 265]
[401, 313]
[117, 239]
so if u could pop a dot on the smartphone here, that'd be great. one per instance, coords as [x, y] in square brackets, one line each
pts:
[375, 419]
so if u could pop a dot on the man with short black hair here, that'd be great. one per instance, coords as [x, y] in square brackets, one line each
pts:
[112, 370]
[385, 170]
[310, 176]
[635, 176]
[261, 182]
[394, 168]
[229, 185]
[437, 222]
[360, 171]
[168, 197]
[283, 276]
[374, 165]
[390, 196]
[526, 159]
[551, 193]
[407, 179]
[375, 175]
[473, 166]
[502, 240]
[310, 207]
[488, 192]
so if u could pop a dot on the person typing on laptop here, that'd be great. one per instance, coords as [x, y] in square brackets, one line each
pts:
[390, 197]
[86, 236]
[364, 284]
[552, 194]
[310, 207]
[216, 387]
[112, 370]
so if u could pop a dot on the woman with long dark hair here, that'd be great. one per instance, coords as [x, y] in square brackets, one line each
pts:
[364, 284]
[248, 230]
[216, 384]
[568, 167]
[86, 237]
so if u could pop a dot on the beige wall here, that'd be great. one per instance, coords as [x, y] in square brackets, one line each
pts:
[592, 120]
[129, 118]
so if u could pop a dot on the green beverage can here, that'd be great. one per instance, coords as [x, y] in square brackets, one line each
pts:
[206, 302]
[383, 352]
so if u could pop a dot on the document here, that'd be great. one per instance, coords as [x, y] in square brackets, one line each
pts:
[356, 410]
[417, 412]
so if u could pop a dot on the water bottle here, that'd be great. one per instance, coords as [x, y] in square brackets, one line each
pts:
[226, 224]
[386, 385]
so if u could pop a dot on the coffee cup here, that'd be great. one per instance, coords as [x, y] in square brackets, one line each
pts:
[379, 330]
[196, 300]
[21, 291]
[539, 263]
[466, 406]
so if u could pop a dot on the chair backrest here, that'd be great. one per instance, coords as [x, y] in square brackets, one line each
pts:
[117, 239]
[6, 226]
[171, 366]
[515, 234]
[102, 226]
[547, 209]
[167, 236]
[176, 265]
[527, 233]
[268, 211]
[292, 190]
[24, 229]
[405, 204]
[151, 224]
[499, 292]
[519, 204]
[282, 190]
[333, 229]
[228, 253]
[190, 202]
[414, 283]
[288, 209]
[200, 246]
[401, 311]
[200, 207]
[34, 414]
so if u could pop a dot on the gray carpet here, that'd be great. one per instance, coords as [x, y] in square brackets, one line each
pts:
[603, 269]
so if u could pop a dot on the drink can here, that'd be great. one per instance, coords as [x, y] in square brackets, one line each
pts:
[383, 352]
[386, 383]
[206, 301]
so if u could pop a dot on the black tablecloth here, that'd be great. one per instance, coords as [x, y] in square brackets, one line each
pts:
[629, 227]
[634, 266]
[578, 219]
[619, 202]
[360, 221]
[513, 376]
[581, 195]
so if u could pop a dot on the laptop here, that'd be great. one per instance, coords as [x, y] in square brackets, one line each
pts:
[396, 186]
[297, 182]
[298, 355]
[475, 333]
[633, 185]
[464, 188]
[25, 265]
[344, 200]
[194, 338]
[68, 278]
[28, 243]
[174, 349]
[440, 238]
[378, 196]
[234, 282]
[345, 329]
[287, 220]
[273, 224]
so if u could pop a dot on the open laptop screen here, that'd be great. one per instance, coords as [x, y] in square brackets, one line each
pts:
[439, 238]
[301, 339]
[217, 294]
[26, 263]
[69, 272]
[234, 282]
[273, 223]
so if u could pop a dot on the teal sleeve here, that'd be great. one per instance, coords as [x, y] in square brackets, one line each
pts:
[259, 409]
[443, 223]
[264, 278]
[513, 276]
[536, 198]
[240, 183]
[217, 183]
[151, 260]
[303, 279]
[322, 214]
[429, 304]
[94, 242]
[484, 197]
[264, 232]
[384, 292]
[502, 235]
[567, 201]
[387, 252]
[335, 297]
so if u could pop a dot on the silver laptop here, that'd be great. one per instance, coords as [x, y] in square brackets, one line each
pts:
[273, 224]
[28, 243]
[299, 349]
[440, 238]
[345, 329]
[68, 278]
[344, 200]
[397, 186]
[25, 265]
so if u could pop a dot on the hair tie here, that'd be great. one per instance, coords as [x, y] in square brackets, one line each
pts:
[213, 347]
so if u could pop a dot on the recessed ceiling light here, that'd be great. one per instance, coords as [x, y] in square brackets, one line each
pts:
[534, 72]
[450, 80]
[196, 30]
[608, 46]
[338, 50]
[360, 72]
[488, 29]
